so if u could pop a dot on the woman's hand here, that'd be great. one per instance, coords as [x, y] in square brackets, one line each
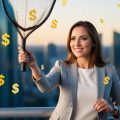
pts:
[29, 58]
[102, 105]
[26, 57]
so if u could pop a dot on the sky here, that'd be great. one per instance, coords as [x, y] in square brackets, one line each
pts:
[94, 11]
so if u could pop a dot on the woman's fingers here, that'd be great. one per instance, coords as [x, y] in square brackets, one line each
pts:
[26, 56]
[26, 52]
[23, 56]
[101, 105]
[98, 102]
[102, 109]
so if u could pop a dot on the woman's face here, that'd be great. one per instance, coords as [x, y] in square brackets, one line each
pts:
[81, 42]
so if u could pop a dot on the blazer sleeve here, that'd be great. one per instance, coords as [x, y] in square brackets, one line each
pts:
[115, 91]
[51, 80]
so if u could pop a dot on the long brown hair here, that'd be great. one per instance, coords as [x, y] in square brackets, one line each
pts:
[96, 54]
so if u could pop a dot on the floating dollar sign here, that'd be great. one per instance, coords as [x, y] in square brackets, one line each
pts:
[15, 89]
[64, 2]
[42, 67]
[6, 40]
[118, 5]
[54, 23]
[2, 77]
[106, 80]
[101, 21]
[32, 15]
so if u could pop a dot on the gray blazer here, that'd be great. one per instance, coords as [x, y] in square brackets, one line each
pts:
[66, 77]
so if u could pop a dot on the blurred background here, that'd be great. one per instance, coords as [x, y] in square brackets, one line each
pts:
[48, 43]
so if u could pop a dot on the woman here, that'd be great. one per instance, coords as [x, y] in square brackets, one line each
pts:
[89, 87]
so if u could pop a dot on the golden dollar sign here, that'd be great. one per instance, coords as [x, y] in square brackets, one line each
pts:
[64, 2]
[15, 89]
[118, 5]
[6, 40]
[42, 67]
[106, 80]
[2, 80]
[102, 21]
[54, 23]
[32, 15]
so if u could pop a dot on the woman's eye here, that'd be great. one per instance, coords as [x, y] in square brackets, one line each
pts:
[84, 38]
[72, 38]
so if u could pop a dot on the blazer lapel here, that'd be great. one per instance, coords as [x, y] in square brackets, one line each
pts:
[73, 79]
[100, 74]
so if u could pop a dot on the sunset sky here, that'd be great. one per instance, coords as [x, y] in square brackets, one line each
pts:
[94, 11]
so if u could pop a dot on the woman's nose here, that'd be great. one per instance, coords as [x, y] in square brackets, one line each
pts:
[77, 43]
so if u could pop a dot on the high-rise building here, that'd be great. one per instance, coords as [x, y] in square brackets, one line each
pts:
[9, 65]
[116, 47]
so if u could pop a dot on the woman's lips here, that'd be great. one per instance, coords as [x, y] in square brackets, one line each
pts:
[78, 49]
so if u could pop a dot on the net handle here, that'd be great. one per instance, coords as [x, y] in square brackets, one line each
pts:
[23, 65]
[33, 28]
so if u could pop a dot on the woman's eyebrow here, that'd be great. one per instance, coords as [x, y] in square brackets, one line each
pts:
[83, 36]
[80, 36]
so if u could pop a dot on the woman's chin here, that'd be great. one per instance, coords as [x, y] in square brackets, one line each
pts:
[79, 55]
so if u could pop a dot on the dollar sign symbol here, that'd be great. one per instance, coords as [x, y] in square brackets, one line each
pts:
[54, 23]
[64, 2]
[42, 67]
[2, 80]
[15, 89]
[106, 80]
[101, 21]
[6, 40]
[118, 5]
[32, 15]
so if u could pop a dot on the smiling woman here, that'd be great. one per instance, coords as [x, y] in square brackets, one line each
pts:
[83, 73]
[81, 43]
[84, 44]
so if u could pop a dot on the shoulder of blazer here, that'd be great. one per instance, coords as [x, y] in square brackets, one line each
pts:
[110, 68]
[60, 63]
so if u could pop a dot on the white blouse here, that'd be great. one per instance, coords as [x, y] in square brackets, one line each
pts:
[86, 95]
